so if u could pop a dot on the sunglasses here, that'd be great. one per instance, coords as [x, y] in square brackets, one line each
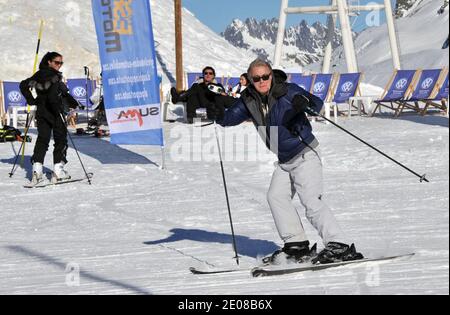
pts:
[58, 63]
[264, 77]
[208, 73]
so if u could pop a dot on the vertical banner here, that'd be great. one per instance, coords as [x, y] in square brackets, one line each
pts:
[130, 81]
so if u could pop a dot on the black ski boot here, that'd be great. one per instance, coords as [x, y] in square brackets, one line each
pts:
[297, 252]
[174, 95]
[335, 252]
[178, 97]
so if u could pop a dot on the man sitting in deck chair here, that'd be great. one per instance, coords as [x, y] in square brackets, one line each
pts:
[398, 90]
[426, 87]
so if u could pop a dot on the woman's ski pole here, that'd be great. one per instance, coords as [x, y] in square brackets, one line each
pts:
[73, 143]
[29, 117]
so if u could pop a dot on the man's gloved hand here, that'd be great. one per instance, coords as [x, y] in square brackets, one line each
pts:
[302, 104]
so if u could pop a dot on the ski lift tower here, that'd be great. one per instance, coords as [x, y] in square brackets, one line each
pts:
[341, 9]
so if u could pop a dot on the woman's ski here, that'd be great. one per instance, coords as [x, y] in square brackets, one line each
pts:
[47, 183]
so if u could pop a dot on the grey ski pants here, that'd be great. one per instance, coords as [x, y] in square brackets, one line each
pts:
[302, 175]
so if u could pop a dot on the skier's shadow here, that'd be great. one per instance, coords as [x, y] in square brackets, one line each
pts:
[68, 268]
[27, 166]
[245, 246]
[107, 153]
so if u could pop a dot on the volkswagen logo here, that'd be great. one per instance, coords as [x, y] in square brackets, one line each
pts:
[347, 87]
[79, 91]
[319, 87]
[15, 97]
[427, 83]
[401, 84]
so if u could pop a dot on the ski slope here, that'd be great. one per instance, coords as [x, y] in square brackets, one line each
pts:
[138, 229]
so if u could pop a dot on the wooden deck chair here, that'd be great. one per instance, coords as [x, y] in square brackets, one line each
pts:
[398, 90]
[427, 86]
[440, 100]
[323, 85]
[347, 86]
[15, 103]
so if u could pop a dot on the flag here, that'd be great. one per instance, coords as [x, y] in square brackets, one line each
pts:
[129, 72]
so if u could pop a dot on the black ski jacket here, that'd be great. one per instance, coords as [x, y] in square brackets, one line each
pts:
[53, 96]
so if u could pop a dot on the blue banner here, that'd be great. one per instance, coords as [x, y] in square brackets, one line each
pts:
[130, 81]
[12, 95]
[77, 88]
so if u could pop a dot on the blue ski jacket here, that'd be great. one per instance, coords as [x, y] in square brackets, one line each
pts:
[285, 131]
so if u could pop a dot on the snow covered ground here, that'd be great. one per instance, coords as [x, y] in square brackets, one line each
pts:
[138, 229]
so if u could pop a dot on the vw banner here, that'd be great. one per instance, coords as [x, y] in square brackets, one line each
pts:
[12, 95]
[77, 88]
[130, 81]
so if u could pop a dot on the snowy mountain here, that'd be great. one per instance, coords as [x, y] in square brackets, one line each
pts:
[404, 6]
[421, 34]
[69, 28]
[303, 44]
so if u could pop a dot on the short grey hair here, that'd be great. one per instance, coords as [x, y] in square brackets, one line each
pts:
[258, 63]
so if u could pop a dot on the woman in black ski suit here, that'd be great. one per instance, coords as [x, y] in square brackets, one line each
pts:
[53, 99]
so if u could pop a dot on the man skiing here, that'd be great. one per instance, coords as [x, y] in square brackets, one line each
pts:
[278, 109]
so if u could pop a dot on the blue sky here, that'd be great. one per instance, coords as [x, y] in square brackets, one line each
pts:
[217, 15]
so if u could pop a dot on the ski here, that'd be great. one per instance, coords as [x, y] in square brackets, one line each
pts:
[279, 270]
[43, 184]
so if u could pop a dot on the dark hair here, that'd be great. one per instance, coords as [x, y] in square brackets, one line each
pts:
[245, 75]
[209, 68]
[50, 56]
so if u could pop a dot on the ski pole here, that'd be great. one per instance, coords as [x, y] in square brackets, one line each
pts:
[13, 170]
[73, 143]
[226, 195]
[422, 177]
[28, 107]
[86, 73]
